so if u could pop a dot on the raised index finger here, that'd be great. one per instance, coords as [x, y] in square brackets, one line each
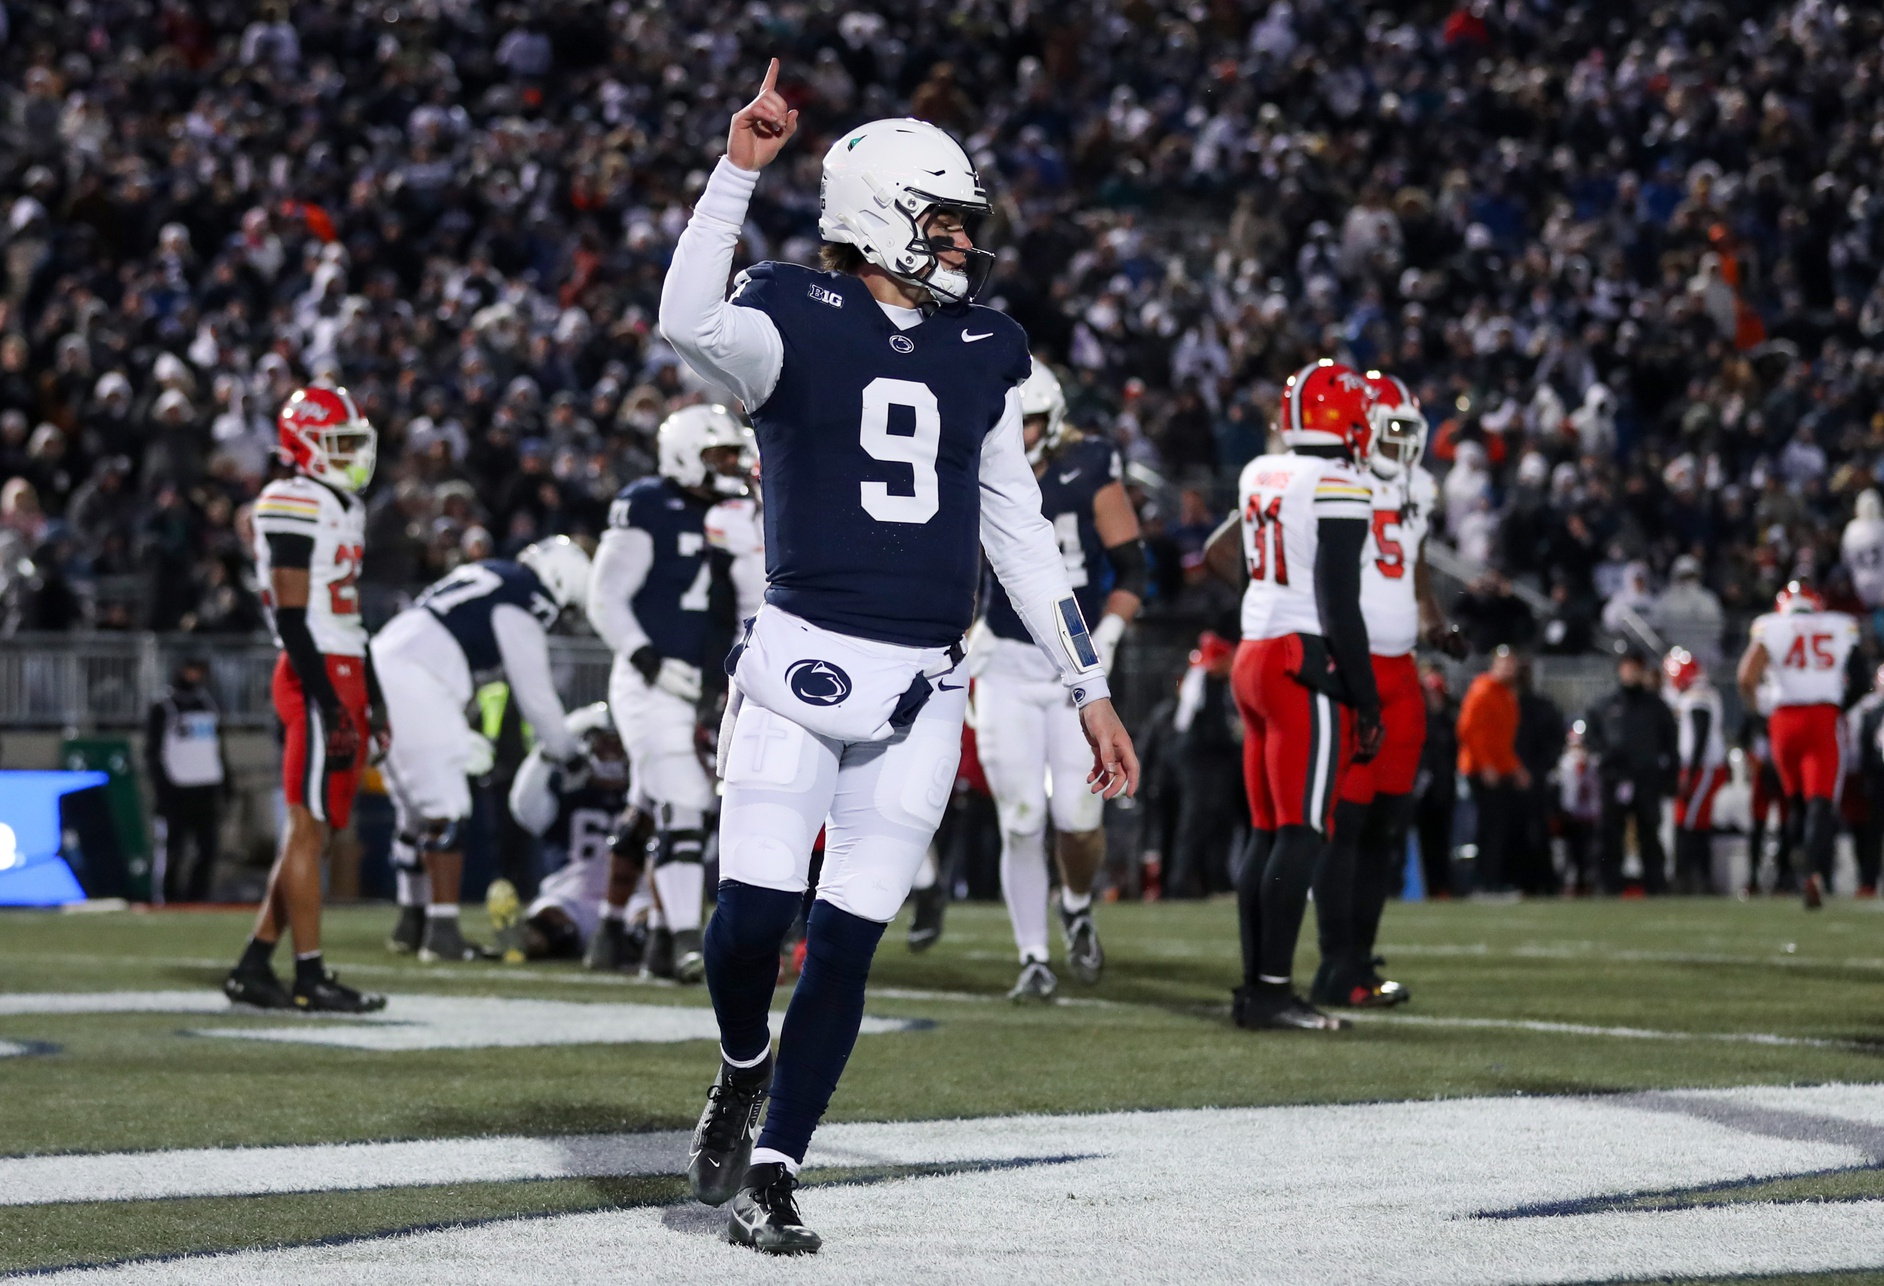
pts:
[771, 78]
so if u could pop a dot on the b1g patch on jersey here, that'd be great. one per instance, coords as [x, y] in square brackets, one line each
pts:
[818, 683]
[824, 296]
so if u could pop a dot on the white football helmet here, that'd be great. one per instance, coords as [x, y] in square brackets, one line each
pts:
[880, 180]
[1398, 425]
[562, 567]
[692, 430]
[594, 727]
[1040, 394]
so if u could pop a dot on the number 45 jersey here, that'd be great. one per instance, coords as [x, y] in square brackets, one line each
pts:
[1806, 654]
[336, 523]
[1284, 498]
[871, 442]
[1403, 509]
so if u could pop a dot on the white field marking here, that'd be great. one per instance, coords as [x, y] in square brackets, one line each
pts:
[13, 1049]
[1605, 953]
[1623, 1033]
[418, 1021]
[240, 1172]
[1387, 1192]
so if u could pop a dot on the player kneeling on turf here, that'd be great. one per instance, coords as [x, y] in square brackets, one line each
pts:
[888, 418]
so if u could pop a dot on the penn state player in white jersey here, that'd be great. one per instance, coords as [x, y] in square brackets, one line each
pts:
[888, 423]
[572, 809]
[649, 600]
[1026, 728]
[485, 619]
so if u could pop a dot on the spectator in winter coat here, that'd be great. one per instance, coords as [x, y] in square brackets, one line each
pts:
[1687, 614]
[1633, 736]
[1488, 760]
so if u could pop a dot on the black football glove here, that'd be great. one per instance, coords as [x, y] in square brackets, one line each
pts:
[1448, 638]
[1367, 735]
[646, 660]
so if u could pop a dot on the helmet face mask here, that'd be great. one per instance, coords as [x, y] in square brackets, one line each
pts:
[887, 186]
[1326, 404]
[687, 438]
[1399, 429]
[327, 438]
[563, 567]
[1043, 403]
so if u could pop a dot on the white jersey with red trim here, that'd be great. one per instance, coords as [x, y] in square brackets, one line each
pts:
[1402, 511]
[1283, 500]
[1806, 654]
[336, 521]
[1701, 698]
[738, 528]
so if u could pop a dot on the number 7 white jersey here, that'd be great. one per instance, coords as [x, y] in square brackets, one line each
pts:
[1402, 511]
[336, 522]
[1806, 654]
[1283, 499]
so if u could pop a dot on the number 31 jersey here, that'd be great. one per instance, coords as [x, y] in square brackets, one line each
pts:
[1806, 654]
[1403, 509]
[1284, 498]
[336, 522]
[871, 449]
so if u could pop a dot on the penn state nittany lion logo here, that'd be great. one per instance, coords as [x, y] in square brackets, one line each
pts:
[818, 683]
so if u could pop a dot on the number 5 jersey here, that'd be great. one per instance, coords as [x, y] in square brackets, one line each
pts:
[1402, 511]
[336, 523]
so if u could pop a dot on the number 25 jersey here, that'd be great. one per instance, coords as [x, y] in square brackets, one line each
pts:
[1402, 511]
[336, 522]
[871, 447]
[1806, 654]
[1283, 500]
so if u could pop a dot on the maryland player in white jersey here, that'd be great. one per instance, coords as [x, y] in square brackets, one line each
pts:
[310, 535]
[1795, 665]
[1376, 799]
[1702, 747]
[1302, 678]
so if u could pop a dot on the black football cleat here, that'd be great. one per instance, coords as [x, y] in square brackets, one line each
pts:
[1284, 1011]
[607, 947]
[1084, 956]
[765, 1214]
[444, 941]
[408, 934]
[689, 957]
[331, 996]
[1036, 984]
[722, 1142]
[1812, 892]
[256, 988]
[658, 960]
[1356, 987]
[925, 921]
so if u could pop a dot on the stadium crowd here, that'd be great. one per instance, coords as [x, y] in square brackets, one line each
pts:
[1630, 261]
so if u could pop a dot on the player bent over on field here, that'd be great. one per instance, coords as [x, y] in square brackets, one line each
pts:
[1302, 678]
[888, 423]
[310, 530]
[486, 619]
[1026, 727]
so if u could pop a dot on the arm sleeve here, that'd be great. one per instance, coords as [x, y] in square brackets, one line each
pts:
[1026, 559]
[1703, 721]
[309, 665]
[153, 745]
[1130, 571]
[621, 567]
[737, 347]
[1338, 597]
[290, 550]
[532, 801]
[525, 649]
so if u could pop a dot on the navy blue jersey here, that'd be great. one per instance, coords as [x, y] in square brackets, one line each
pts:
[465, 600]
[584, 818]
[871, 443]
[1074, 475]
[672, 602]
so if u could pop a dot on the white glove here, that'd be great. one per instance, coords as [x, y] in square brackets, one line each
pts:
[979, 650]
[1105, 639]
[679, 679]
[480, 754]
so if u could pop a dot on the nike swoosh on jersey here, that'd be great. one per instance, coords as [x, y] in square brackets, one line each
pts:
[967, 338]
[951, 687]
[1068, 476]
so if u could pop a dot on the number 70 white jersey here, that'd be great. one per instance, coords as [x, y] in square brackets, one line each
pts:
[336, 522]
[1282, 500]
[1402, 512]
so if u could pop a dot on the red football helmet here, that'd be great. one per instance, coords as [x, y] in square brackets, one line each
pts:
[1399, 437]
[1682, 669]
[1798, 597]
[325, 435]
[1329, 405]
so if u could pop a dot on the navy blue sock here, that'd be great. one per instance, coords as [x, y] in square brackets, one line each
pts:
[741, 948]
[820, 1025]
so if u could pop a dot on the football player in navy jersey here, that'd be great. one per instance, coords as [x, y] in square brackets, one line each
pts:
[484, 620]
[1024, 721]
[649, 600]
[887, 412]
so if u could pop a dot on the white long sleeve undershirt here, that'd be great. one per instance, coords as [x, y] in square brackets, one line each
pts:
[622, 561]
[524, 647]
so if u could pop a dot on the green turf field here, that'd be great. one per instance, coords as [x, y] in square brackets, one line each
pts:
[1508, 999]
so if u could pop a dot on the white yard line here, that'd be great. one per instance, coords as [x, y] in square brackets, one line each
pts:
[1621, 1033]
[1388, 1192]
